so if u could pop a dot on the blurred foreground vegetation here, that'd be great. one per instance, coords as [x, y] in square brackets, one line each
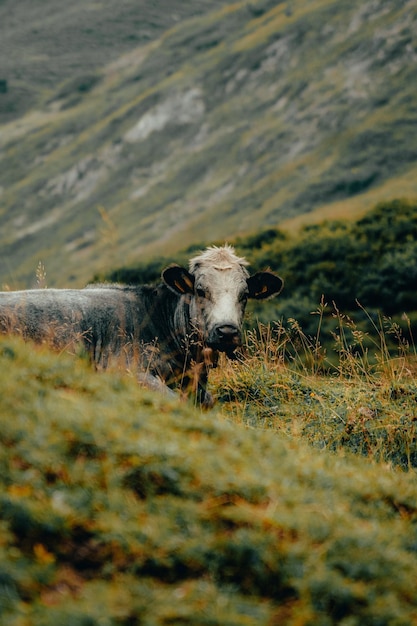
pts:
[121, 507]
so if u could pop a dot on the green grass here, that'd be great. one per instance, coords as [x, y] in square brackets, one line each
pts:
[286, 504]
[359, 395]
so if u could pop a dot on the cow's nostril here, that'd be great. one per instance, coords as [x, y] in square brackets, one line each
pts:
[225, 338]
[227, 331]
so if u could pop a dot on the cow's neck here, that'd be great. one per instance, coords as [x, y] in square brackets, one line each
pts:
[184, 360]
[186, 331]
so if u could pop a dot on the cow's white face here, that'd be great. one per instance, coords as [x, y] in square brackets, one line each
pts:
[219, 302]
[220, 287]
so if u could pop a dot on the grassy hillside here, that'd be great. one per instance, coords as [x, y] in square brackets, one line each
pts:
[43, 44]
[122, 507]
[248, 116]
[347, 397]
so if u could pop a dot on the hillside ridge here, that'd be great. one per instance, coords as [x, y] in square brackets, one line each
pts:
[249, 116]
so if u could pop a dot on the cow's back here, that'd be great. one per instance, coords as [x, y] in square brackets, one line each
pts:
[39, 314]
[107, 320]
[100, 318]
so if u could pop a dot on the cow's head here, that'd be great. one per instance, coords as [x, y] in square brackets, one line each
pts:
[220, 285]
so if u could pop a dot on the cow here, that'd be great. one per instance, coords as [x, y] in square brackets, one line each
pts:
[175, 330]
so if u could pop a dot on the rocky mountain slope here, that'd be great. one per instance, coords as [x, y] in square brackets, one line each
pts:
[248, 116]
[44, 43]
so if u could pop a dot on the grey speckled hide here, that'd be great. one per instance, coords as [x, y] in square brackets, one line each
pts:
[173, 331]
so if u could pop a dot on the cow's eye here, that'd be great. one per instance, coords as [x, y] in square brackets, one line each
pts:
[243, 297]
[201, 293]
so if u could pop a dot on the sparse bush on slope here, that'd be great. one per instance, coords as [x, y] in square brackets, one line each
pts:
[121, 507]
[372, 260]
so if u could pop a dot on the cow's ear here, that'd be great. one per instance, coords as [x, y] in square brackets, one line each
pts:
[178, 279]
[264, 285]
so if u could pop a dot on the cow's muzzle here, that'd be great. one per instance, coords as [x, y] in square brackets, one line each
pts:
[225, 338]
